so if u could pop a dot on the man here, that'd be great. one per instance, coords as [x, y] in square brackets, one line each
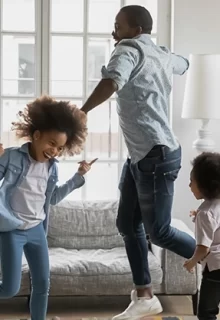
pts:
[140, 73]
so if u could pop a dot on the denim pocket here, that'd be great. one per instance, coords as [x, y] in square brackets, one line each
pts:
[146, 167]
[12, 174]
[169, 178]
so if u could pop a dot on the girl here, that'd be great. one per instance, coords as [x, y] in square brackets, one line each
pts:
[205, 184]
[29, 188]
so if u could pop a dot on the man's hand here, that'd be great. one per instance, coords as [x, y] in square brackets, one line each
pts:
[85, 166]
[189, 265]
[1, 149]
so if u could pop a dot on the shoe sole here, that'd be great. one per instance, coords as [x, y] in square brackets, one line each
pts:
[153, 313]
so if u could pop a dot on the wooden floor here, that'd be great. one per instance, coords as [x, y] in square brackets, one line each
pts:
[72, 308]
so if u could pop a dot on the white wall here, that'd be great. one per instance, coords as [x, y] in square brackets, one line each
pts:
[195, 29]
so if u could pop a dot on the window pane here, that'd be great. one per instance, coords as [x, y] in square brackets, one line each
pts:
[66, 171]
[66, 66]
[102, 141]
[18, 65]
[151, 6]
[10, 109]
[102, 182]
[72, 13]
[102, 15]
[77, 157]
[18, 15]
[99, 51]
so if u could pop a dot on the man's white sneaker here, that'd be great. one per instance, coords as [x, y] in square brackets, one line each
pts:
[139, 308]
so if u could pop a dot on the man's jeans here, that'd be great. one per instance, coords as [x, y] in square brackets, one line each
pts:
[147, 190]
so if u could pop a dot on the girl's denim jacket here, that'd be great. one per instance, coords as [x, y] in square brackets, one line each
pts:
[14, 165]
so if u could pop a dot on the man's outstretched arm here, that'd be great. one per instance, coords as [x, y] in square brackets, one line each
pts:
[114, 76]
[101, 93]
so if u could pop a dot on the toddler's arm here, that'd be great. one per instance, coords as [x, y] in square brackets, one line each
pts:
[206, 225]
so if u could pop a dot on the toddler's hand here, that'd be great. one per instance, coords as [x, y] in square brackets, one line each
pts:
[193, 214]
[189, 265]
[85, 166]
[1, 149]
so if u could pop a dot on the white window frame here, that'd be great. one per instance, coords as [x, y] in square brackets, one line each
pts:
[43, 36]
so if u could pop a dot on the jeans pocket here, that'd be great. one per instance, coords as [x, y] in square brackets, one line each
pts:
[146, 167]
[169, 179]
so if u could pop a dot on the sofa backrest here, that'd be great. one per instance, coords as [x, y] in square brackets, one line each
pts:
[84, 225]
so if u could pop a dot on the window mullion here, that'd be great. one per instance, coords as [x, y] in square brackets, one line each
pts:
[163, 22]
[85, 68]
[45, 46]
[1, 109]
[38, 43]
[85, 50]
[19, 33]
[120, 138]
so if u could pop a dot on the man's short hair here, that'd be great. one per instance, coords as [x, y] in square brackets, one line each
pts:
[138, 16]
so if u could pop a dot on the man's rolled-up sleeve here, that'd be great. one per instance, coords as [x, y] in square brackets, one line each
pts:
[121, 65]
[180, 64]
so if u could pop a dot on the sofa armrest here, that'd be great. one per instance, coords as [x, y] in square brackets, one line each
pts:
[176, 280]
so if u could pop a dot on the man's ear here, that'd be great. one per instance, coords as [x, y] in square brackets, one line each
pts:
[139, 30]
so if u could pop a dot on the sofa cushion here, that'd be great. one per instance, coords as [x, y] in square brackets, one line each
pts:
[84, 225]
[94, 272]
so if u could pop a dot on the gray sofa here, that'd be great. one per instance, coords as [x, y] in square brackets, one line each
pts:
[87, 256]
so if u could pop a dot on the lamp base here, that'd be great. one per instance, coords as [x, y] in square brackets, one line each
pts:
[204, 143]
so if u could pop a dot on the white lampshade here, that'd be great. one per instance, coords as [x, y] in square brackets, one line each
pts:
[202, 91]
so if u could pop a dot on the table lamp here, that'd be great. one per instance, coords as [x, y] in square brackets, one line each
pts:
[202, 96]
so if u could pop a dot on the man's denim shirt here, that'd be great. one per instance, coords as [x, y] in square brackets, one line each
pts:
[14, 166]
